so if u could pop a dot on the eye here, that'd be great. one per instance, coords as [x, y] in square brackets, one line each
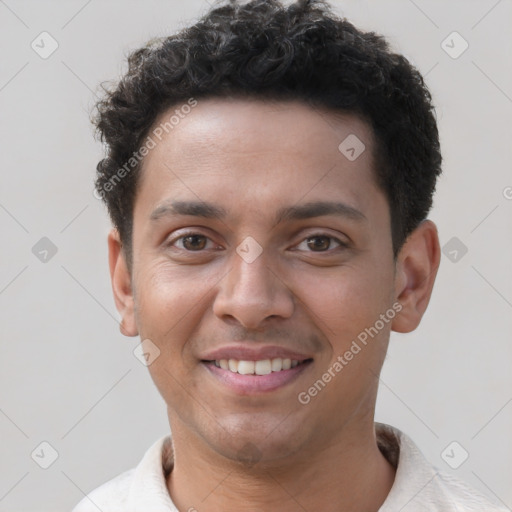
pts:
[320, 242]
[197, 242]
[192, 242]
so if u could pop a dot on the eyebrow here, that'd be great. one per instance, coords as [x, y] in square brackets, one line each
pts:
[296, 212]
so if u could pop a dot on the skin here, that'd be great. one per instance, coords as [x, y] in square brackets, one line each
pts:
[268, 451]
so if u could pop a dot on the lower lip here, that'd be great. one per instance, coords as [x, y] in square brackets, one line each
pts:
[249, 384]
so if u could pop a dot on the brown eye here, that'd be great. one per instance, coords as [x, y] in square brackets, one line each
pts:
[194, 242]
[319, 242]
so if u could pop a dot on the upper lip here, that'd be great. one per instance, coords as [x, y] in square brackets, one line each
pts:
[245, 353]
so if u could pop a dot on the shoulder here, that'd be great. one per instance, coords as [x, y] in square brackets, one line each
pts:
[468, 497]
[140, 488]
[109, 496]
[421, 487]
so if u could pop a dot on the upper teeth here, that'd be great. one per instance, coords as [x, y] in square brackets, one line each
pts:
[263, 367]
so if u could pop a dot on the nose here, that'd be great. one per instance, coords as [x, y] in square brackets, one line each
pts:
[253, 292]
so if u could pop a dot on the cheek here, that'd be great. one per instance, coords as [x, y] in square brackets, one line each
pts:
[348, 300]
[166, 301]
[171, 304]
[168, 304]
[350, 303]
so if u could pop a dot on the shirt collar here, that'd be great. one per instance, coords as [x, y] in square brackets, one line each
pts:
[414, 475]
[148, 490]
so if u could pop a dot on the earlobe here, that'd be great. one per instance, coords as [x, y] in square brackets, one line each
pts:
[121, 285]
[416, 270]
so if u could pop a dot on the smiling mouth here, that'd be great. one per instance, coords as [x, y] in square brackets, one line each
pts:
[260, 367]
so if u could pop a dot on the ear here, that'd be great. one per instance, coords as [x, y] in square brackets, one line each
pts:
[415, 273]
[121, 284]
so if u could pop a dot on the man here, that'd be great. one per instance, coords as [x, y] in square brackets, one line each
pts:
[269, 174]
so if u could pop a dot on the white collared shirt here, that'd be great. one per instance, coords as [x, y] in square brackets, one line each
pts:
[418, 486]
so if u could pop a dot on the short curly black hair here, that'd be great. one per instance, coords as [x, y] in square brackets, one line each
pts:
[266, 50]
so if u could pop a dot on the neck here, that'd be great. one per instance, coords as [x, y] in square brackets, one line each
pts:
[348, 474]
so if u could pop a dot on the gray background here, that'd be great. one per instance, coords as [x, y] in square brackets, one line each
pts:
[68, 377]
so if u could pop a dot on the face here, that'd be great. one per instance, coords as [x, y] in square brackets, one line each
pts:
[257, 239]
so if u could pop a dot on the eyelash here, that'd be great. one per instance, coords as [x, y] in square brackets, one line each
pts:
[342, 245]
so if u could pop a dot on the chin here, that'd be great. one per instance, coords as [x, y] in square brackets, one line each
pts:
[253, 444]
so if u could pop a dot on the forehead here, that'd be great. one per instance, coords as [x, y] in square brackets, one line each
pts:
[273, 150]
[255, 125]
